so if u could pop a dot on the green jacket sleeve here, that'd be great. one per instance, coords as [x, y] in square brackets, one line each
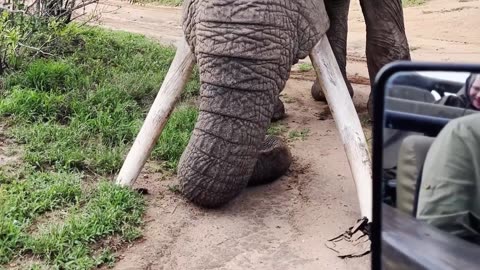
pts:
[449, 196]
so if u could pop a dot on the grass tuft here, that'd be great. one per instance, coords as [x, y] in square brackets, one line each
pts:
[76, 114]
[305, 67]
[277, 129]
[176, 135]
[108, 210]
[298, 134]
[412, 3]
[23, 201]
[83, 111]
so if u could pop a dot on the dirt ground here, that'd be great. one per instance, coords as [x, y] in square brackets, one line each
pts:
[283, 225]
[280, 226]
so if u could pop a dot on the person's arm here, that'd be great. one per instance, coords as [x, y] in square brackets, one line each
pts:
[452, 101]
[448, 185]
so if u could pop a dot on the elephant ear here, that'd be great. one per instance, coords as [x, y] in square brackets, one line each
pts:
[189, 7]
[313, 24]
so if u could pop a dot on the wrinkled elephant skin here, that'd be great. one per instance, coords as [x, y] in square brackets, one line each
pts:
[244, 50]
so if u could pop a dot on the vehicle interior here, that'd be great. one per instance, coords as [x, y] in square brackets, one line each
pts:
[412, 121]
[413, 117]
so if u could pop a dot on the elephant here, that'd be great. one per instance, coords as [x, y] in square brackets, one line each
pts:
[386, 38]
[244, 50]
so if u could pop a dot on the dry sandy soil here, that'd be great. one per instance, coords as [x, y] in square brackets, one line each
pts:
[283, 225]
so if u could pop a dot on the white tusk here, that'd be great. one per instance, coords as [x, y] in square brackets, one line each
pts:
[173, 84]
[347, 121]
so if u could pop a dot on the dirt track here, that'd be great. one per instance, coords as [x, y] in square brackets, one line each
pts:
[441, 30]
[283, 225]
[279, 226]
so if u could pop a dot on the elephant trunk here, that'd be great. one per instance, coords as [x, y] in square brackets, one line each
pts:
[244, 50]
[236, 104]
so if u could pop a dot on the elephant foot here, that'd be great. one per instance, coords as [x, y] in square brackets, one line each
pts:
[278, 111]
[274, 159]
[317, 91]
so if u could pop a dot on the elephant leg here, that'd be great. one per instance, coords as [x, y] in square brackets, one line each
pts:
[337, 11]
[386, 37]
[278, 110]
[273, 161]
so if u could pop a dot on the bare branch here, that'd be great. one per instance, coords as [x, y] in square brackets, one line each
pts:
[72, 9]
[94, 16]
[35, 49]
[84, 4]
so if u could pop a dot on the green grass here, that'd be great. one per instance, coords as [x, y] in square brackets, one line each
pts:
[279, 129]
[276, 129]
[298, 134]
[108, 209]
[411, 3]
[105, 210]
[75, 116]
[176, 135]
[287, 99]
[305, 67]
[83, 111]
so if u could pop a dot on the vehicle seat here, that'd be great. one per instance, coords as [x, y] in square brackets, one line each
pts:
[411, 157]
[411, 93]
[392, 137]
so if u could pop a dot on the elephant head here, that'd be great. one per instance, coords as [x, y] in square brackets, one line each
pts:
[244, 50]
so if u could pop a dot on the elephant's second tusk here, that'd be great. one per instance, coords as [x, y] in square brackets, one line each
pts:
[347, 121]
[162, 107]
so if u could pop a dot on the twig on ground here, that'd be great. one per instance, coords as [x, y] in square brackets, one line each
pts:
[174, 209]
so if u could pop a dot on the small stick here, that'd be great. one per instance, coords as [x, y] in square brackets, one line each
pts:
[175, 209]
